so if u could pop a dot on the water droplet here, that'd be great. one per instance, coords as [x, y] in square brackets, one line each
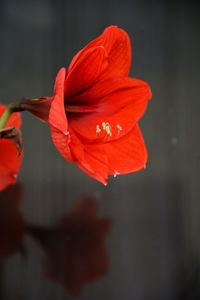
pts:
[66, 133]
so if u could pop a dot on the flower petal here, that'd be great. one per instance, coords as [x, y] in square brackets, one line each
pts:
[85, 72]
[61, 142]
[119, 103]
[122, 156]
[118, 47]
[80, 158]
[57, 116]
[129, 154]
[10, 163]
[94, 164]
[73, 149]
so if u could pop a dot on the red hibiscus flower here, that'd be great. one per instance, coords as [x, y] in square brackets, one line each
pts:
[10, 159]
[75, 249]
[96, 107]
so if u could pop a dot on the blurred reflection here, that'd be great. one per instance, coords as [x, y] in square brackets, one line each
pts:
[12, 225]
[75, 249]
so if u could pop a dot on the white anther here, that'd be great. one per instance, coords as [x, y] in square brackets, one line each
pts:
[119, 127]
[98, 129]
[106, 126]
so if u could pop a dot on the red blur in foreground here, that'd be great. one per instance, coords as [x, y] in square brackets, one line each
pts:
[10, 159]
[94, 113]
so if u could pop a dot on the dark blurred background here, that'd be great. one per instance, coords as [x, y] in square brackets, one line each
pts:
[153, 245]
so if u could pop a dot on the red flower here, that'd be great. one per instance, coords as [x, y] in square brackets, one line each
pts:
[10, 160]
[95, 109]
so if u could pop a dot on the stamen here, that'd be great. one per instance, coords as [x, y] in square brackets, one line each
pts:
[98, 129]
[106, 126]
[119, 127]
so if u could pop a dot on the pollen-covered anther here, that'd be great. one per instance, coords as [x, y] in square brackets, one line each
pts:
[119, 127]
[98, 129]
[106, 126]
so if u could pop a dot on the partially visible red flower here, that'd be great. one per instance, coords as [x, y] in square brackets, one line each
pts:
[96, 107]
[75, 249]
[10, 159]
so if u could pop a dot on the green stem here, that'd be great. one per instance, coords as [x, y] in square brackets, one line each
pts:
[7, 113]
[4, 118]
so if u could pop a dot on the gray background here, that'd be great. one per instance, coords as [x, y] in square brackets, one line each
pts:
[154, 242]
